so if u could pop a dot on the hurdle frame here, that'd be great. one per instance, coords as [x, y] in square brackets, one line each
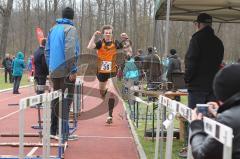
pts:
[77, 105]
[27, 102]
[224, 134]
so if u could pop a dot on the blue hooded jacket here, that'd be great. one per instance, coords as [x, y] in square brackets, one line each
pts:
[130, 70]
[18, 64]
[62, 48]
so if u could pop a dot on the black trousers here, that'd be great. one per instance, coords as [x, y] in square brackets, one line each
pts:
[7, 71]
[40, 81]
[63, 84]
[16, 84]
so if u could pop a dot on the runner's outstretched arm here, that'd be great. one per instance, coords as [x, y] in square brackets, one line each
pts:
[92, 44]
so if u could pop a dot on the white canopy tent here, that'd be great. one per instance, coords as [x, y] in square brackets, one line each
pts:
[223, 11]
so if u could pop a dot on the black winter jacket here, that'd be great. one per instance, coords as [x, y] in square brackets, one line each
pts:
[152, 66]
[204, 146]
[41, 69]
[203, 59]
[174, 66]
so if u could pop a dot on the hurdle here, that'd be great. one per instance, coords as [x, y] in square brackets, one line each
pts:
[34, 100]
[40, 88]
[77, 105]
[137, 100]
[25, 103]
[218, 131]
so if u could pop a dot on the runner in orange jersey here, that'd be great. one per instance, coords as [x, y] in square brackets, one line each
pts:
[106, 52]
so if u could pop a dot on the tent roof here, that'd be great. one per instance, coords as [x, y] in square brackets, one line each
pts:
[226, 11]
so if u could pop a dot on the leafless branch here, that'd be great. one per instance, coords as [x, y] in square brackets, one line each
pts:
[1, 10]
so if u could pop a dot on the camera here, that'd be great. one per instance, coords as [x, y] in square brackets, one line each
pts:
[202, 108]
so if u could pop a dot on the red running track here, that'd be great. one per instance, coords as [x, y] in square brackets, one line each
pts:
[97, 140]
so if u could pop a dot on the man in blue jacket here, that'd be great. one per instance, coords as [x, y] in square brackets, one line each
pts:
[62, 50]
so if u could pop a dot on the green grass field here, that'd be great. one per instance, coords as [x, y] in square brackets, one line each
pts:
[4, 85]
[147, 143]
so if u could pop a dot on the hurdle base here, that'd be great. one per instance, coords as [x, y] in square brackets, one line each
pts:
[27, 157]
[16, 144]
[151, 133]
[17, 135]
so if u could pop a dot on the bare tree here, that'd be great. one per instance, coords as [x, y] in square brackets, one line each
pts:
[99, 12]
[81, 27]
[134, 4]
[125, 15]
[26, 11]
[135, 17]
[55, 9]
[114, 14]
[106, 12]
[1, 10]
[6, 13]
[46, 17]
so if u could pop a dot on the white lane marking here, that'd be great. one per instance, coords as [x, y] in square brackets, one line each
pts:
[34, 149]
[107, 137]
[6, 116]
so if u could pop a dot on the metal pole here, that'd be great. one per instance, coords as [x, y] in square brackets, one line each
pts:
[21, 130]
[162, 130]
[157, 132]
[169, 141]
[44, 150]
[137, 113]
[82, 97]
[48, 118]
[167, 27]
[153, 115]
[146, 121]
[60, 141]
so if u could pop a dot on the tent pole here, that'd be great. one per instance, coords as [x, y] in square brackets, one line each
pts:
[167, 27]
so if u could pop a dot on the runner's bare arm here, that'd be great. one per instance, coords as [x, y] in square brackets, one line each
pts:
[92, 44]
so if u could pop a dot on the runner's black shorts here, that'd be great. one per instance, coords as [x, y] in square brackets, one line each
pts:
[103, 77]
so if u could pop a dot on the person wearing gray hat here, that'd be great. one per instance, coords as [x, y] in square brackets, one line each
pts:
[226, 88]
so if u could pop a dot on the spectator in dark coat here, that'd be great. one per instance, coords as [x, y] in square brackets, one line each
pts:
[226, 87]
[41, 69]
[174, 65]
[139, 57]
[7, 64]
[202, 61]
[152, 66]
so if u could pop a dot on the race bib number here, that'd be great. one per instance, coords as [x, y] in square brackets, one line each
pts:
[106, 66]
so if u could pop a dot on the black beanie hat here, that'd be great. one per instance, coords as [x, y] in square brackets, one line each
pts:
[150, 49]
[173, 51]
[204, 18]
[68, 13]
[227, 82]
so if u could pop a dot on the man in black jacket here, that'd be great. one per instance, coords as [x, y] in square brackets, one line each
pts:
[152, 66]
[226, 87]
[202, 61]
[41, 69]
[7, 64]
[174, 65]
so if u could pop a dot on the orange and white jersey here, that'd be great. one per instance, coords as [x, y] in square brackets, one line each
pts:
[107, 58]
